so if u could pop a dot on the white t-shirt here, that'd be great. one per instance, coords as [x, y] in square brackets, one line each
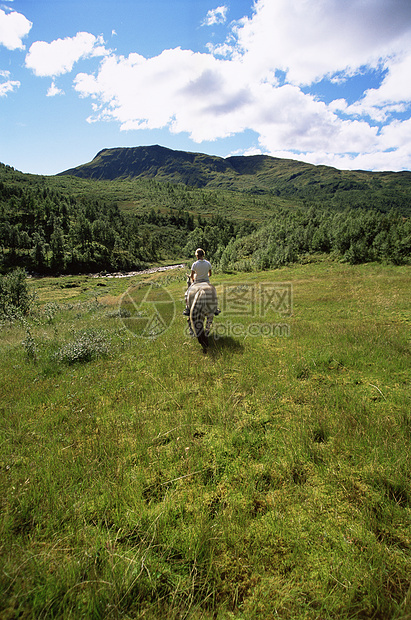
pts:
[201, 269]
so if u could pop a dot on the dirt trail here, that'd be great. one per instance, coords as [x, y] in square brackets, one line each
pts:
[129, 274]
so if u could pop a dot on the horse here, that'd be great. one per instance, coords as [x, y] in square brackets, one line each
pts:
[202, 301]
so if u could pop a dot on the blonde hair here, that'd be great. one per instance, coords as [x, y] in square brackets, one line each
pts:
[200, 253]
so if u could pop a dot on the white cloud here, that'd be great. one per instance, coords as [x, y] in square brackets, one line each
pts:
[9, 85]
[310, 40]
[378, 160]
[393, 95]
[224, 50]
[216, 16]
[183, 90]
[54, 90]
[13, 28]
[59, 56]
[210, 98]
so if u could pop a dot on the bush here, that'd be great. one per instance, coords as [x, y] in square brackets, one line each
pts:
[15, 297]
[30, 346]
[88, 345]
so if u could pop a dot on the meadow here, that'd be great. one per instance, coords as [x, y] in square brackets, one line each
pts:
[269, 478]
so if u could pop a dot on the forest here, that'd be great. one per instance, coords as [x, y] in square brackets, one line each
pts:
[60, 225]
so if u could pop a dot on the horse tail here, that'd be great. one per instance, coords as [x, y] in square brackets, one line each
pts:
[200, 308]
[196, 315]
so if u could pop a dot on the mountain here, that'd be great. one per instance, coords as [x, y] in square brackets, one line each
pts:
[254, 174]
[157, 162]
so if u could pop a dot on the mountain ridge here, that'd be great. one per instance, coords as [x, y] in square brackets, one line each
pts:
[159, 161]
[260, 174]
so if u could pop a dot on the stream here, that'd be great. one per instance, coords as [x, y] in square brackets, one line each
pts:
[130, 274]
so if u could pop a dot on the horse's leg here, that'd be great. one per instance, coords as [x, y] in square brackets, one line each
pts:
[203, 340]
[200, 332]
[209, 323]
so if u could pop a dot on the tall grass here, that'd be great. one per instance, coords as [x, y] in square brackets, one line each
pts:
[267, 479]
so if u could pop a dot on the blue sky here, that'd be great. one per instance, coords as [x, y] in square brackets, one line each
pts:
[322, 81]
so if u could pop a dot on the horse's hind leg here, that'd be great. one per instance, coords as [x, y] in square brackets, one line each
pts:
[203, 340]
[209, 323]
[201, 334]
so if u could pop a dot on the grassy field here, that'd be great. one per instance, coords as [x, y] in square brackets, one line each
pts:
[267, 479]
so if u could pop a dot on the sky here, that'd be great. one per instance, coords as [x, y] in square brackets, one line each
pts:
[321, 81]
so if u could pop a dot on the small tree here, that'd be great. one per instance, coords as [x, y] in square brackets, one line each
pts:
[38, 252]
[57, 249]
[14, 293]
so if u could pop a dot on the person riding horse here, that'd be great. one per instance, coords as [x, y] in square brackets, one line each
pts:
[200, 272]
[201, 300]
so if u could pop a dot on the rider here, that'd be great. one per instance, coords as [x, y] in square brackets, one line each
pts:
[200, 272]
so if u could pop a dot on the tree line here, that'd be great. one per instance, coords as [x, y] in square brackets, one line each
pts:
[46, 229]
[352, 235]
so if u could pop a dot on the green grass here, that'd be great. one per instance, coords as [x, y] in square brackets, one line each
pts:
[269, 478]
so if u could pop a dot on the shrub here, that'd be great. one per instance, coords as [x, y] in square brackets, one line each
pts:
[30, 346]
[87, 345]
[15, 296]
[50, 310]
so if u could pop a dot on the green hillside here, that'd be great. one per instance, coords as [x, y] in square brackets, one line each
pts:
[65, 224]
[254, 174]
[69, 224]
